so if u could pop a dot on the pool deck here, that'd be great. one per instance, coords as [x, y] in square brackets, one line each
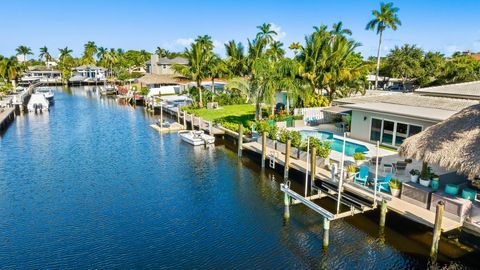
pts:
[406, 209]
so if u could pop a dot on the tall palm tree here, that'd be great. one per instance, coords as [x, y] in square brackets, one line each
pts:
[24, 50]
[235, 58]
[217, 68]
[383, 19]
[205, 41]
[338, 30]
[64, 53]
[276, 52]
[90, 49]
[197, 69]
[266, 33]
[10, 69]
[44, 54]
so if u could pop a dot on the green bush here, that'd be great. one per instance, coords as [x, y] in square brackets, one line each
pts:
[316, 100]
[358, 156]
[261, 126]
[296, 138]
[272, 132]
[298, 117]
[323, 147]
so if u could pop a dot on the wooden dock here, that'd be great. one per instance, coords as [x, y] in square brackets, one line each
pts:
[174, 127]
[406, 209]
[6, 117]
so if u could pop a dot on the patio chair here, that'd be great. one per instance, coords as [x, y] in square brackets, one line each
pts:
[373, 161]
[383, 183]
[400, 166]
[361, 177]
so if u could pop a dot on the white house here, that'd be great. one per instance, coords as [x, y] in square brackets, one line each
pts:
[88, 73]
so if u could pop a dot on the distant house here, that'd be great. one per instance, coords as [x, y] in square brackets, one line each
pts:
[162, 65]
[88, 73]
[392, 117]
[42, 74]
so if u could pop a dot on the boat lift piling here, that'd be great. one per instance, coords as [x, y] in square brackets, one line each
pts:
[437, 229]
[264, 148]
[240, 139]
[287, 159]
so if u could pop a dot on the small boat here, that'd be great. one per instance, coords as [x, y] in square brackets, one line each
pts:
[196, 137]
[47, 93]
[164, 124]
[38, 103]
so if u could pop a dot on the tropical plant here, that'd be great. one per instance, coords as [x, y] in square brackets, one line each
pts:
[199, 57]
[295, 47]
[44, 54]
[236, 60]
[10, 69]
[395, 184]
[404, 62]
[358, 156]
[89, 51]
[24, 50]
[385, 18]
[266, 33]
[414, 172]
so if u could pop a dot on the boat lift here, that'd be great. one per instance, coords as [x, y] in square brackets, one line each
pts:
[329, 188]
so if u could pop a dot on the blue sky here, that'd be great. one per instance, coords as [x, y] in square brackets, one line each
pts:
[440, 25]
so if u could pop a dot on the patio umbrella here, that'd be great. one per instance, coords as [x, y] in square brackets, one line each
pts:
[453, 143]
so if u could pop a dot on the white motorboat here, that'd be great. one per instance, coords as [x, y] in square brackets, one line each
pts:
[164, 124]
[108, 90]
[196, 137]
[48, 93]
[38, 103]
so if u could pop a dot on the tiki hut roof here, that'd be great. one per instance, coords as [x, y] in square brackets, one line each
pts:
[452, 144]
[160, 79]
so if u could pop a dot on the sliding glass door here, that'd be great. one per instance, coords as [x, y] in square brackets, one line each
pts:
[391, 133]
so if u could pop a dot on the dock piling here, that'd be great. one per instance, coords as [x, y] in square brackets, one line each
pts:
[240, 139]
[286, 201]
[437, 229]
[326, 232]
[178, 115]
[191, 117]
[383, 213]
[184, 120]
[264, 148]
[287, 159]
[313, 166]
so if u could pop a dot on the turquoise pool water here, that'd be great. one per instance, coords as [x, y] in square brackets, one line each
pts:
[337, 144]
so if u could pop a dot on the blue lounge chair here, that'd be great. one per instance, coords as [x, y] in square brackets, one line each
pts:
[383, 183]
[361, 177]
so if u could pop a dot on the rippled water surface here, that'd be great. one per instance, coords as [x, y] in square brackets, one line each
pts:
[91, 185]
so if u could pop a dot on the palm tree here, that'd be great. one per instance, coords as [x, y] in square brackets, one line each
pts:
[45, 54]
[295, 47]
[90, 49]
[383, 19]
[197, 69]
[23, 50]
[10, 69]
[235, 58]
[266, 33]
[276, 52]
[64, 53]
[338, 30]
[205, 41]
[217, 68]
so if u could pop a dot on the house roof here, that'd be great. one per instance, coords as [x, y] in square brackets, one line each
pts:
[151, 78]
[469, 90]
[410, 99]
[176, 60]
[89, 67]
[429, 114]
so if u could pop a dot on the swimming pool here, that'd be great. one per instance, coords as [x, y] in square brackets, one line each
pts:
[336, 144]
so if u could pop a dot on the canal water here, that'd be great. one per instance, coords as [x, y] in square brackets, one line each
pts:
[90, 185]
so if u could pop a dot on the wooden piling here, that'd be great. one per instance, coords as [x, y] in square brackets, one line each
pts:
[287, 159]
[326, 232]
[240, 139]
[178, 115]
[383, 213]
[264, 148]
[313, 165]
[437, 229]
[200, 121]
[184, 120]
[191, 118]
[286, 201]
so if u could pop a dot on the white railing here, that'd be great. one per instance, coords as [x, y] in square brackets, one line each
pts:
[315, 114]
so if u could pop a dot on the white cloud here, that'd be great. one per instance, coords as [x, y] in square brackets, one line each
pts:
[184, 41]
[280, 34]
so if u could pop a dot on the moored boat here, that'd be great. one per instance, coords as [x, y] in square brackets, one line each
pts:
[47, 93]
[38, 103]
[196, 137]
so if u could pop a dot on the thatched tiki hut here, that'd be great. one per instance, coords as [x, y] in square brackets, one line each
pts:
[452, 144]
[155, 80]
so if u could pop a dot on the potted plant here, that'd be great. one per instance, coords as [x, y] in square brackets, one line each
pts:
[435, 181]
[298, 121]
[359, 158]
[351, 170]
[425, 175]
[414, 175]
[395, 187]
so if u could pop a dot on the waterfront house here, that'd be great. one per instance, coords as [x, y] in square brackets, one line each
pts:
[392, 117]
[42, 74]
[163, 65]
[88, 73]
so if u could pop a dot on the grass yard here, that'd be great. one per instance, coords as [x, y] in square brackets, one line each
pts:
[227, 113]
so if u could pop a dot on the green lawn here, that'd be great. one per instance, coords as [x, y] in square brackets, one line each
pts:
[228, 113]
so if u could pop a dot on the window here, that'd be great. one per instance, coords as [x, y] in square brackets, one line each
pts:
[390, 132]
[414, 130]
[388, 127]
[401, 133]
[376, 130]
